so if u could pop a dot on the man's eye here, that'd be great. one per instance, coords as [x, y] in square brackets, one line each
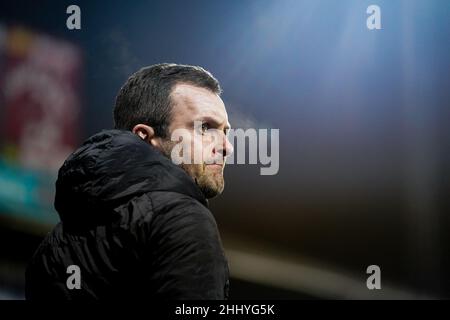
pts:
[205, 127]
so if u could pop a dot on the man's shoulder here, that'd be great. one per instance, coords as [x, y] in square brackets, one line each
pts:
[172, 209]
[167, 201]
[156, 209]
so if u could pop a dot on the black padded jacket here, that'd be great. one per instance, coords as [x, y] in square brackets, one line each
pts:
[135, 224]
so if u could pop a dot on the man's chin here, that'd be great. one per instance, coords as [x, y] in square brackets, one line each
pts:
[209, 179]
[211, 190]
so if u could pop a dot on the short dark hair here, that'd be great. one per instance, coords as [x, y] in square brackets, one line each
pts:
[145, 97]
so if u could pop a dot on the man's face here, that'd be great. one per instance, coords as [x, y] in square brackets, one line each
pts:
[202, 116]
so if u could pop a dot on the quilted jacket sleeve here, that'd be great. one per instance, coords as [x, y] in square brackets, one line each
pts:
[187, 259]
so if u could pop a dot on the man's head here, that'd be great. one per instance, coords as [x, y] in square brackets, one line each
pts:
[158, 101]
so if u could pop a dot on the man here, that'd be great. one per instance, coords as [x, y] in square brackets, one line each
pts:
[133, 223]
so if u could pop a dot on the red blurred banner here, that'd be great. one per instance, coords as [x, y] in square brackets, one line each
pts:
[40, 83]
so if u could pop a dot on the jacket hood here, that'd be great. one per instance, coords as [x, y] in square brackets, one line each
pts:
[110, 168]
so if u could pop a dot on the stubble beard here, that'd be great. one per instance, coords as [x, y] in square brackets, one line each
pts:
[209, 180]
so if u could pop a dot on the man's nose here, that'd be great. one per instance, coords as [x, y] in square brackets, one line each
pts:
[228, 147]
[225, 147]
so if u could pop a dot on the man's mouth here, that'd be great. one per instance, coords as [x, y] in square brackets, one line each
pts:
[215, 166]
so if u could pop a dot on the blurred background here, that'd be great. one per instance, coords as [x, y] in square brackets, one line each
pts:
[364, 131]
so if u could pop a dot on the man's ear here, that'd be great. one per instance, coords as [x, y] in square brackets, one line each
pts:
[147, 134]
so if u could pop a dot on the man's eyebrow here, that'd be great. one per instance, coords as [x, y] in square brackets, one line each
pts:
[215, 121]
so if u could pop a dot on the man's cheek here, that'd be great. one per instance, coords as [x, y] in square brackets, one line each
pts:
[197, 150]
[207, 154]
